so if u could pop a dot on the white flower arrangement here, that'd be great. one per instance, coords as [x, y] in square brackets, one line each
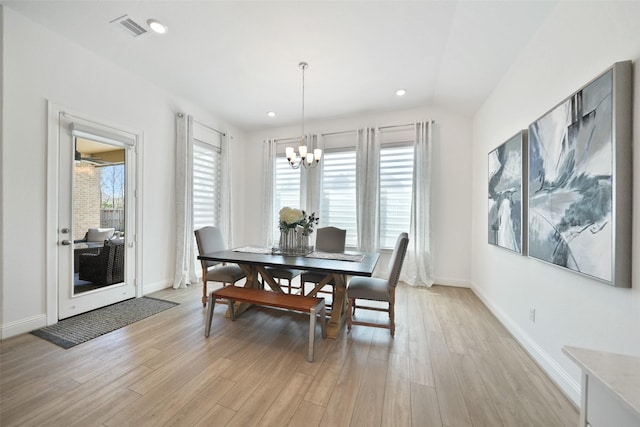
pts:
[290, 218]
[294, 218]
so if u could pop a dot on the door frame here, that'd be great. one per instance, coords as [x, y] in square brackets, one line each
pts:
[52, 236]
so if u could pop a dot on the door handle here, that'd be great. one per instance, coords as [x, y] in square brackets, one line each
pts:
[66, 242]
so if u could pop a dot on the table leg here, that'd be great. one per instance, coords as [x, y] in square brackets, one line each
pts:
[320, 285]
[268, 278]
[251, 282]
[339, 307]
[252, 272]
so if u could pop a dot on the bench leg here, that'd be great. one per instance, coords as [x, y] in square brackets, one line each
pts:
[312, 333]
[207, 329]
[318, 310]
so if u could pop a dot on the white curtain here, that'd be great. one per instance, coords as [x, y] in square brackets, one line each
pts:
[367, 191]
[418, 266]
[185, 248]
[226, 211]
[268, 184]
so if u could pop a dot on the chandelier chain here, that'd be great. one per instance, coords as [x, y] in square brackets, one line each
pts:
[304, 66]
[309, 157]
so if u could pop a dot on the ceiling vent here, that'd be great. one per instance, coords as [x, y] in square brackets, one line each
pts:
[129, 26]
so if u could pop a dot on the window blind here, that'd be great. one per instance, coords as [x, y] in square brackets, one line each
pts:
[338, 198]
[206, 184]
[396, 183]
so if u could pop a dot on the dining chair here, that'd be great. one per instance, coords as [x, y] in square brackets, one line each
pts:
[378, 289]
[328, 239]
[209, 239]
[287, 274]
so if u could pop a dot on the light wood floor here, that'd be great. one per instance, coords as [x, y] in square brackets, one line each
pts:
[451, 364]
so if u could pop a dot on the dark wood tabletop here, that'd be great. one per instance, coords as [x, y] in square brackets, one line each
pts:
[352, 268]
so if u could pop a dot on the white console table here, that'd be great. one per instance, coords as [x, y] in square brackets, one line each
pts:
[610, 387]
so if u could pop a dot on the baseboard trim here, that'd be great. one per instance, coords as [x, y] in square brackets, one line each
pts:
[567, 384]
[149, 288]
[448, 281]
[23, 326]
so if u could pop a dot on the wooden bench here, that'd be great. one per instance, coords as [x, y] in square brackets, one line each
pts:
[313, 306]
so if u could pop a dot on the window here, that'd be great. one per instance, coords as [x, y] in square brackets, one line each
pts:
[287, 190]
[396, 185]
[206, 184]
[338, 198]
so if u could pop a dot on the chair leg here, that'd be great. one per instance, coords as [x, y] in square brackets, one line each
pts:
[207, 329]
[350, 302]
[323, 319]
[204, 287]
[392, 314]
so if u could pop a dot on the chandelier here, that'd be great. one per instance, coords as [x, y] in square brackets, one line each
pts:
[303, 157]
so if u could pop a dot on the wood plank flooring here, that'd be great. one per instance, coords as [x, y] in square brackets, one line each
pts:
[451, 364]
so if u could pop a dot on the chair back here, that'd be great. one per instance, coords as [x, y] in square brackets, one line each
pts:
[331, 239]
[397, 258]
[209, 239]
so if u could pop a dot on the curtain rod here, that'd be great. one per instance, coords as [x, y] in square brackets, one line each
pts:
[339, 132]
[403, 126]
[342, 132]
[210, 128]
[286, 139]
[381, 127]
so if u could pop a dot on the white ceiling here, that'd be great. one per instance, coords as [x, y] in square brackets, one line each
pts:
[240, 59]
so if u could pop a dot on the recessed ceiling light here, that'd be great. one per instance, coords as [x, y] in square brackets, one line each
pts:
[271, 114]
[401, 92]
[157, 26]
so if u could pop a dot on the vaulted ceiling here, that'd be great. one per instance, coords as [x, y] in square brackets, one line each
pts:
[239, 59]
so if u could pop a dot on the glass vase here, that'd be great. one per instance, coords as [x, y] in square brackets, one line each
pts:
[291, 241]
[284, 240]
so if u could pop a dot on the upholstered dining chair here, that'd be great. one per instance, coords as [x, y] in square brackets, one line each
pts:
[378, 289]
[328, 239]
[287, 274]
[209, 239]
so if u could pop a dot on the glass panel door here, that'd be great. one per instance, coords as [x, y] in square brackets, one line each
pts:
[96, 256]
[99, 194]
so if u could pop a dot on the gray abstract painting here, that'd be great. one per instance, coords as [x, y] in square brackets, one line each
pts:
[506, 194]
[570, 182]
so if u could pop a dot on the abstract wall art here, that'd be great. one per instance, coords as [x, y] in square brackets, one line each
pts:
[579, 199]
[507, 193]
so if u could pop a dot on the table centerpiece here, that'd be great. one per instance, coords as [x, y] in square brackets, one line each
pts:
[295, 227]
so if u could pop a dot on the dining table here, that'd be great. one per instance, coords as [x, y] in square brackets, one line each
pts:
[335, 267]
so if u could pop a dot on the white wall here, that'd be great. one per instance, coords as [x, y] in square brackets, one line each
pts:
[451, 176]
[577, 42]
[38, 66]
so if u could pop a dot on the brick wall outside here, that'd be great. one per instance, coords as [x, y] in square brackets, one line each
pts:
[86, 200]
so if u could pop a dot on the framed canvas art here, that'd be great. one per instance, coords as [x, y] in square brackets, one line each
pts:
[507, 193]
[580, 180]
